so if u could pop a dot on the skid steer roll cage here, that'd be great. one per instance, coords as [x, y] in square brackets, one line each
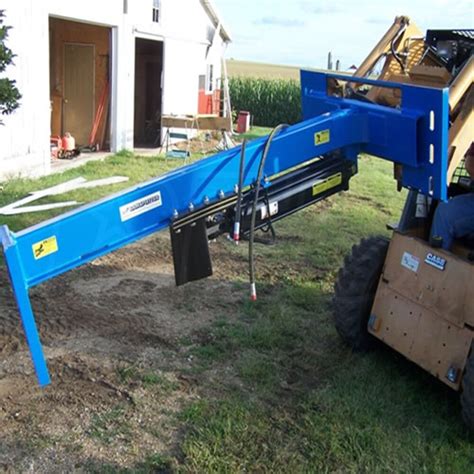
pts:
[415, 136]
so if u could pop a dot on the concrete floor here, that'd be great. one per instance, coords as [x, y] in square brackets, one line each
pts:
[58, 166]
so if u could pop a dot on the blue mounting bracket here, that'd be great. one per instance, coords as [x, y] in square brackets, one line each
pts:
[414, 135]
[403, 135]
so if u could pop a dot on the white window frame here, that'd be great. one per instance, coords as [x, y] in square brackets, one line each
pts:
[210, 80]
[156, 18]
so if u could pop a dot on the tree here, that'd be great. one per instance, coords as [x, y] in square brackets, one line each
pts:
[9, 94]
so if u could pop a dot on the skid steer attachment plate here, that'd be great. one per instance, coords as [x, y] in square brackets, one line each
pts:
[414, 135]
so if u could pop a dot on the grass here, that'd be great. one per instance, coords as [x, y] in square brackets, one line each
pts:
[305, 402]
[146, 378]
[295, 399]
[109, 426]
[256, 132]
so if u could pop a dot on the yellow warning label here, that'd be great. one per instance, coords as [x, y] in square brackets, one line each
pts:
[322, 137]
[45, 247]
[324, 184]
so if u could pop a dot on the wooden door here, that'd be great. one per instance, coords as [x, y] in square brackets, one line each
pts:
[79, 65]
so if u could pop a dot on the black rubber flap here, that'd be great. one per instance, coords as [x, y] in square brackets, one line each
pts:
[191, 257]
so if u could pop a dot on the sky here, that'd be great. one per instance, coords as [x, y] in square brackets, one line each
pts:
[301, 33]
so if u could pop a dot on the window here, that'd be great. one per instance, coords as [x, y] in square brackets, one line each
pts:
[156, 11]
[210, 79]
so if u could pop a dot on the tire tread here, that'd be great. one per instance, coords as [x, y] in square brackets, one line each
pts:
[355, 291]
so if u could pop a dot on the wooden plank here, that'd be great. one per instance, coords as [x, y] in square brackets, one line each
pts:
[197, 122]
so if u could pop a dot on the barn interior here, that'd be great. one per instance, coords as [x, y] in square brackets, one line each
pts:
[80, 58]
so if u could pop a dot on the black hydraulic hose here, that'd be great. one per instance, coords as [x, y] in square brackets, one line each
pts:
[238, 208]
[275, 131]
[394, 53]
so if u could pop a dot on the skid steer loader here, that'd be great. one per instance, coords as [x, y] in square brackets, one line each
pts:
[403, 291]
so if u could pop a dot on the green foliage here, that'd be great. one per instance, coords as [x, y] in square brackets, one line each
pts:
[269, 101]
[9, 94]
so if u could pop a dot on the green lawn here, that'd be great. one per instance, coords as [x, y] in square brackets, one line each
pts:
[308, 404]
[300, 401]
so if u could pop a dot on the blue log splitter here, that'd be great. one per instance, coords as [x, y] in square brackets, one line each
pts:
[414, 135]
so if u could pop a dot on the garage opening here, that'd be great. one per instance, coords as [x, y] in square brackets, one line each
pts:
[80, 82]
[148, 92]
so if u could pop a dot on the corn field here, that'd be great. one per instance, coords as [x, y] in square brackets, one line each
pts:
[270, 101]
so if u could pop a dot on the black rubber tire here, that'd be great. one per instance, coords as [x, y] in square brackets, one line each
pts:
[467, 395]
[355, 290]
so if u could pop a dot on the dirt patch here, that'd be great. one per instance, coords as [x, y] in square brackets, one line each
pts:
[119, 339]
[205, 143]
[112, 333]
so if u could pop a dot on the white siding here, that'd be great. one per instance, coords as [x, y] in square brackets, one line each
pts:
[24, 137]
[185, 29]
[183, 64]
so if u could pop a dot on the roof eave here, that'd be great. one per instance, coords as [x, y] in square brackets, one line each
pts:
[211, 11]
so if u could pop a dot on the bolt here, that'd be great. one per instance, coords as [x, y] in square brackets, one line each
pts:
[221, 194]
[206, 200]
[175, 214]
[191, 206]
[236, 188]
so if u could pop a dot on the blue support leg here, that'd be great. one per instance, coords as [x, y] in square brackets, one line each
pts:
[23, 302]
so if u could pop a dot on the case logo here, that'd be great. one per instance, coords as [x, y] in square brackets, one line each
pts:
[436, 261]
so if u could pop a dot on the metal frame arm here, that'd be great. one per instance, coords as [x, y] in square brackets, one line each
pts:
[51, 248]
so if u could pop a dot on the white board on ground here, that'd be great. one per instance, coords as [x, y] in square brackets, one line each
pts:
[71, 185]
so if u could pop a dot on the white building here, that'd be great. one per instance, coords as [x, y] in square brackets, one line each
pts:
[134, 59]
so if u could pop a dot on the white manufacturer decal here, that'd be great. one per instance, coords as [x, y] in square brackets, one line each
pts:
[410, 261]
[140, 206]
[436, 261]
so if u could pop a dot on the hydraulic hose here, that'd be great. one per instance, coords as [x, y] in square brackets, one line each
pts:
[253, 289]
[392, 48]
[238, 208]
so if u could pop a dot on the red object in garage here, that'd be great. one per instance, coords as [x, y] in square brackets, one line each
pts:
[68, 142]
[243, 122]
